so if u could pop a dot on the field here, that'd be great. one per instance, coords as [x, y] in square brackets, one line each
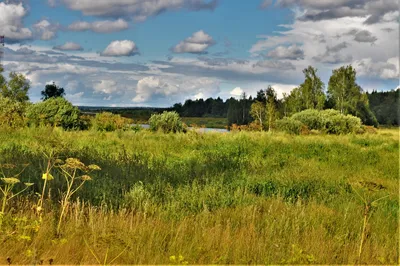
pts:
[210, 122]
[214, 198]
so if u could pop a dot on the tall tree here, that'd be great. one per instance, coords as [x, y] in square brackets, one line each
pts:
[257, 111]
[16, 88]
[272, 107]
[312, 89]
[347, 96]
[52, 91]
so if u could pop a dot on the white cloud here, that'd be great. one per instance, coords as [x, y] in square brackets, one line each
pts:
[384, 70]
[104, 26]
[334, 41]
[196, 44]
[177, 88]
[236, 92]
[68, 46]
[11, 25]
[292, 52]
[371, 11]
[75, 98]
[138, 9]
[106, 86]
[121, 48]
[45, 30]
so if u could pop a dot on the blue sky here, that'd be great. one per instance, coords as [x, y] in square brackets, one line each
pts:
[158, 52]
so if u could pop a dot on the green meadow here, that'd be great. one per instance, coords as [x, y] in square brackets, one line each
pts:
[202, 198]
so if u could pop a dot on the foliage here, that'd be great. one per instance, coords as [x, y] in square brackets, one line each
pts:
[254, 126]
[110, 122]
[166, 122]
[12, 113]
[345, 95]
[386, 106]
[289, 125]
[52, 91]
[312, 89]
[16, 88]
[328, 121]
[257, 111]
[57, 112]
[272, 107]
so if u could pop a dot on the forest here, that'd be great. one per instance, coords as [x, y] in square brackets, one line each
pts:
[343, 93]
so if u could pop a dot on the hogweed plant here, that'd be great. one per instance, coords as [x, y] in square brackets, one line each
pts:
[46, 176]
[366, 192]
[76, 174]
[7, 185]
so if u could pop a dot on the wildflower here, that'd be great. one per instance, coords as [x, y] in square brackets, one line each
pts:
[47, 176]
[94, 167]
[10, 180]
[86, 178]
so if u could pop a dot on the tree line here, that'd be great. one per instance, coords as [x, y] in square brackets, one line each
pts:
[342, 93]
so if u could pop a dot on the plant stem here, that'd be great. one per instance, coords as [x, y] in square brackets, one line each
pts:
[363, 232]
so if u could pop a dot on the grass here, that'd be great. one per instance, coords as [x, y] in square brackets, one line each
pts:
[210, 122]
[231, 198]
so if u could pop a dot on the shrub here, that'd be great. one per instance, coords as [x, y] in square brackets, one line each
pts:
[342, 124]
[312, 118]
[290, 125]
[328, 121]
[54, 112]
[166, 122]
[107, 121]
[12, 113]
[253, 126]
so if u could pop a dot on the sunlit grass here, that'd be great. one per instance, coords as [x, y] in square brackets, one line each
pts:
[243, 198]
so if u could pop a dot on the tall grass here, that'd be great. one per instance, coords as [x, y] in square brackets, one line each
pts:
[210, 198]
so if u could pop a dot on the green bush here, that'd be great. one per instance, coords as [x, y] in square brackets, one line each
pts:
[342, 124]
[107, 121]
[312, 118]
[54, 112]
[166, 122]
[289, 125]
[328, 121]
[12, 113]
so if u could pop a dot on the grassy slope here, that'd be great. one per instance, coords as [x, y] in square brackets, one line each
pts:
[212, 198]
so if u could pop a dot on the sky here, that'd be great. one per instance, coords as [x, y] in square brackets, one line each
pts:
[160, 52]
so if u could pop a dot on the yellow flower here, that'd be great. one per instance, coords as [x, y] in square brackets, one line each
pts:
[47, 176]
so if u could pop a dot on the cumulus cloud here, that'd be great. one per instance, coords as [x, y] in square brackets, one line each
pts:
[364, 36]
[372, 11]
[292, 52]
[275, 65]
[177, 87]
[46, 30]
[121, 48]
[105, 86]
[236, 92]
[138, 9]
[11, 25]
[68, 46]
[104, 26]
[385, 70]
[196, 44]
[333, 54]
